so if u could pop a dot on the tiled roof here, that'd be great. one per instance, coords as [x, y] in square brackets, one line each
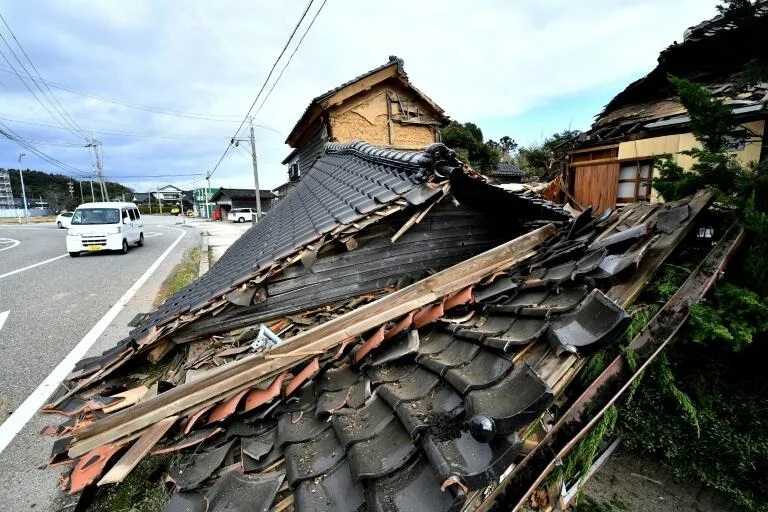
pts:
[243, 193]
[506, 169]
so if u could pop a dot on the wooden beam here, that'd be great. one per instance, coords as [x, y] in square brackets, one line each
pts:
[246, 372]
[135, 453]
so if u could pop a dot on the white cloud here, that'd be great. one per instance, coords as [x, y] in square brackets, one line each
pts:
[478, 60]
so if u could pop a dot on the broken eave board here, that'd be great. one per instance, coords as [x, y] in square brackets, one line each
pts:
[531, 472]
[236, 376]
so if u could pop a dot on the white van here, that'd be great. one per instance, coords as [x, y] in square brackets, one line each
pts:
[104, 227]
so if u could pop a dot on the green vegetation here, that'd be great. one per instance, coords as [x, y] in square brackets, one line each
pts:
[184, 273]
[142, 491]
[545, 160]
[702, 406]
[467, 140]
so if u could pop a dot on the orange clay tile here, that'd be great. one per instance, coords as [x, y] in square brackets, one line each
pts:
[90, 466]
[457, 299]
[195, 418]
[369, 344]
[303, 376]
[257, 397]
[428, 314]
[226, 408]
[400, 326]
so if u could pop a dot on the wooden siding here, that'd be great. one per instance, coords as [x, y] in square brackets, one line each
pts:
[595, 185]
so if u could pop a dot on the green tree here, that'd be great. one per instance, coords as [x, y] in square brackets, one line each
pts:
[546, 159]
[467, 140]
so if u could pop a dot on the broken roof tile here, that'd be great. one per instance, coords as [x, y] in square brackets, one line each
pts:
[236, 492]
[414, 385]
[334, 490]
[313, 458]
[441, 406]
[356, 425]
[482, 371]
[191, 471]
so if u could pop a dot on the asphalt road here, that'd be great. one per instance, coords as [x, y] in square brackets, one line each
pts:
[45, 312]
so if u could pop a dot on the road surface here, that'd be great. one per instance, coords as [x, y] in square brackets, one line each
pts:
[54, 309]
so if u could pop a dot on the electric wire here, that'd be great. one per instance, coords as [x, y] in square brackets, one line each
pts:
[263, 86]
[290, 58]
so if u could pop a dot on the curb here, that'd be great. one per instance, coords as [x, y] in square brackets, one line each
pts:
[204, 257]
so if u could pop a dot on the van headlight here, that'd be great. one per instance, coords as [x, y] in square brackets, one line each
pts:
[114, 231]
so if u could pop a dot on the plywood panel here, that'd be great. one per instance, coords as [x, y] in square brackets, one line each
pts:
[595, 185]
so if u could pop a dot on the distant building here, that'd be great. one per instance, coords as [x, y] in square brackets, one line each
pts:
[227, 198]
[506, 172]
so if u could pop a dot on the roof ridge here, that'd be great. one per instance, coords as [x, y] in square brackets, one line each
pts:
[437, 157]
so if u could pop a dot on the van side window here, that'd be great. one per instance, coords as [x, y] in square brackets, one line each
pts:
[125, 214]
[131, 214]
[137, 213]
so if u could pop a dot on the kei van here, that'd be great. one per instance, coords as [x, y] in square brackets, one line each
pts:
[104, 227]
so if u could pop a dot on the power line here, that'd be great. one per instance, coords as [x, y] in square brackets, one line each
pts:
[13, 136]
[290, 58]
[263, 86]
[55, 103]
[129, 104]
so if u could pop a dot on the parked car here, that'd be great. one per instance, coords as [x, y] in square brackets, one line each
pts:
[63, 219]
[241, 214]
[104, 227]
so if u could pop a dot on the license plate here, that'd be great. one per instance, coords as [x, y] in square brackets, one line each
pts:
[94, 247]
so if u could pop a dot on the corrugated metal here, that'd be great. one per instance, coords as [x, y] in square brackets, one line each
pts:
[595, 185]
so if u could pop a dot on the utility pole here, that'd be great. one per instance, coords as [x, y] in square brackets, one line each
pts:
[255, 174]
[81, 191]
[23, 191]
[96, 144]
[208, 209]
[93, 197]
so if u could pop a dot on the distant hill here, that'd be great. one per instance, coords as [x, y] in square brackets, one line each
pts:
[53, 188]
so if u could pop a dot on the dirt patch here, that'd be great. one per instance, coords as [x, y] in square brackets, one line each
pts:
[635, 482]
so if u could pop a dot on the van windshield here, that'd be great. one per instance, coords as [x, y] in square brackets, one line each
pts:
[96, 216]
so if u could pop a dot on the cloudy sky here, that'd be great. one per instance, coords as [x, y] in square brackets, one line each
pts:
[164, 85]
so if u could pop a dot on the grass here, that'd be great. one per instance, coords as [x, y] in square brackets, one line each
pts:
[142, 491]
[184, 273]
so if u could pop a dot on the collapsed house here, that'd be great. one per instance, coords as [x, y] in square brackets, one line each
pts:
[612, 163]
[386, 338]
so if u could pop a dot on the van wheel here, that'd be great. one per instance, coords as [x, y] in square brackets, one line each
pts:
[124, 250]
[141, 240]
[59, 225]
[241, 220]
[74, 254]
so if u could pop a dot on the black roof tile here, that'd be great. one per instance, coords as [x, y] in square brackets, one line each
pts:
[335, 490]
[443, 405]
[456, 354]
[299, 427]
[522, 332]
[353, 426]
[390, 372]
[526, 397]
[382, 454]
[191, 471]
[415, 487]
[482, 371]
[236, 492]
[313, 458]
[411, 387]
[476, 464]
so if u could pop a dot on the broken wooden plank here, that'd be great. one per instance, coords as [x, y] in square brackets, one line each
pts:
[135, 453]
[245, 372]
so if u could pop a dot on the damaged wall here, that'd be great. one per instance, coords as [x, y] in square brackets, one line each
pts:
[367, 117]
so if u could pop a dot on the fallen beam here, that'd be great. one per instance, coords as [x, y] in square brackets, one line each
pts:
[613, 382]
[248, 371]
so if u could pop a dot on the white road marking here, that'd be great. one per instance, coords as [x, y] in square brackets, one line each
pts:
[33, 402]
[152, 234]
[3, 318]
[10, 242]
[22, 269]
